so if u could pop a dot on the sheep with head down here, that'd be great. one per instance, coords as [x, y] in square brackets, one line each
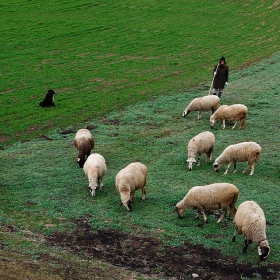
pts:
[202, 143]
[204, 103]
[95, 168]
[130, 179]
[241, 152]
[209, 197]
[84, 143]
[236, 112]
[250, 221]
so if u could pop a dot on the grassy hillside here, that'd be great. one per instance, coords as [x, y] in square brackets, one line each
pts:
[127, 71]
[44, 192]
[99, 57]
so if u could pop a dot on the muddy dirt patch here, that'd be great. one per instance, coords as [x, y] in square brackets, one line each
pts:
[149, 255]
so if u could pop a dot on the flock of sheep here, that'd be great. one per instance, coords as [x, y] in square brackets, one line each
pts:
[249, 218]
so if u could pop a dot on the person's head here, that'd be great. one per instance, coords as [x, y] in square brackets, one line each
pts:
[222, 60]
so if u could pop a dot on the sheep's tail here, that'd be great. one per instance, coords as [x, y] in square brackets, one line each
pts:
[243, 119]
[258, 155]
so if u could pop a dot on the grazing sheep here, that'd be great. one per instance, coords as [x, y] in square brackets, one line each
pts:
[95, 168]
[210, 197]
[241, 152]
[84, 143]
[204, 103]
[202, 143]
[130, 179]
[49, 99]
[250, 221]
[236, 112]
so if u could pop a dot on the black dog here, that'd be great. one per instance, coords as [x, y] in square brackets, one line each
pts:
[49, 99]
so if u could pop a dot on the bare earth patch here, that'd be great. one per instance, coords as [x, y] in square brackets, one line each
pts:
[150, 256]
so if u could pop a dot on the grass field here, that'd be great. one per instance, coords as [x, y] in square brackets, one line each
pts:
[99, 57]
[128, 71]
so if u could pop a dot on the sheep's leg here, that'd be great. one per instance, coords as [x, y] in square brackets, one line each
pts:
[243, 122]
[197, 215]
[223, 214]
[234, 165]
[198, 160]
[209, 155]
[143, 193]
[246, 243]
[198, 115]
[228, 167]
[100, 183]
[131, 196]
[201, 210]
[204, 216]
[235, 124]
[252, 170]
[234, 234]
[224, 124]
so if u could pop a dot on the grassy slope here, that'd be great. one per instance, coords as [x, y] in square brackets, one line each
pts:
[45, 189]
[120, 54]
[100, 57]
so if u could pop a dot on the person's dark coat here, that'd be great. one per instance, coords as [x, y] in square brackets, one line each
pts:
[221, 77]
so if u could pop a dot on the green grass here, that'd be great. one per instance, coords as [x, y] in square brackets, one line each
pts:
[130, 69]
[103, 56]
[41, 183]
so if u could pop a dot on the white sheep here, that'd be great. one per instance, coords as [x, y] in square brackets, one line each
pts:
[210, 197]
[241, 152]
[95, 168]
[202, 143]
[130, 179]
[204, 103]
[84, 143]
[250, 221]
[236, 112]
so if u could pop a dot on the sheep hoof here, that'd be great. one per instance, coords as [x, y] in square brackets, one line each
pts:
[233, 239]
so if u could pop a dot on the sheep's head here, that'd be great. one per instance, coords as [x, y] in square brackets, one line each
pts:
[185, 113]
[179, 212]
[92, 190]
[263, 250]
[212, 121]
[127, 205]
[190, 161]
[216, 166]
[81, 162]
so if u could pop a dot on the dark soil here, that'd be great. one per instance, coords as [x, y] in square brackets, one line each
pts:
[150, 256]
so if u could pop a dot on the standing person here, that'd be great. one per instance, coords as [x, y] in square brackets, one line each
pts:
[220, 73]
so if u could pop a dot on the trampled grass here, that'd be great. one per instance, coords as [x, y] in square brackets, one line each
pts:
[41, 184]
[99, 57]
